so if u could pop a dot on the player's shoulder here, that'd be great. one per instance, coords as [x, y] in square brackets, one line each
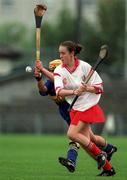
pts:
[84, 63]
[58, 68]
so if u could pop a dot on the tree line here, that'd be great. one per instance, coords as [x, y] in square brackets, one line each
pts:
[109, 29]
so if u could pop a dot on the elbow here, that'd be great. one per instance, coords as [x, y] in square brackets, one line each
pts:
[58, 91]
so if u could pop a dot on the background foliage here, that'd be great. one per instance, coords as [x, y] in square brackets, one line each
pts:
[109, 29]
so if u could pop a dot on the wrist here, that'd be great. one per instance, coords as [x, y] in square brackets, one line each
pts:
[39, 78]
[91, 89]
[73, 92]
[88, 89]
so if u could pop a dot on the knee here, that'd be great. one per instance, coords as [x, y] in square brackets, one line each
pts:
[71, 135]
[93, 139]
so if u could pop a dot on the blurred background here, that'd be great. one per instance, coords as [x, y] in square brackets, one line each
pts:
[89, 22]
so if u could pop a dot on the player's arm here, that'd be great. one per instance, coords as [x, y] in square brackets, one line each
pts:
[64, 92]
[96, 89]
[41, 86]
[83, 88]
[48, 74]
[95, 84]
[59, 87]
[40, 82]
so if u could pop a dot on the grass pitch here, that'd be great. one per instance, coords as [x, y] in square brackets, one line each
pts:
[35, 157]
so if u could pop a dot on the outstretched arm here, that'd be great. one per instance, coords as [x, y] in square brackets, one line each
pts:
[43, 70]
[40, 82]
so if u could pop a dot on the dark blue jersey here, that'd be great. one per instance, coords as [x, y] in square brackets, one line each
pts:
[63, 105]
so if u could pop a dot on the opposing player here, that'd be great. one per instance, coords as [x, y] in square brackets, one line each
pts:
[47, 88]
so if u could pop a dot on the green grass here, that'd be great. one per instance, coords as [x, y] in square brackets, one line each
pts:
[32, 157]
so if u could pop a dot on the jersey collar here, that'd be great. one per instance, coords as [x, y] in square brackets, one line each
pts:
[74, 68]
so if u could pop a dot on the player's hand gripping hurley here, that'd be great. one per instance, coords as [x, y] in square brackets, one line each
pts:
[39, 11]
[102, 55]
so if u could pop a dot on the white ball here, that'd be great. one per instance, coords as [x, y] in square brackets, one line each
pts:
[29, 69]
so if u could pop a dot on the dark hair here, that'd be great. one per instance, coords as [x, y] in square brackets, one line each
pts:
[72, 46]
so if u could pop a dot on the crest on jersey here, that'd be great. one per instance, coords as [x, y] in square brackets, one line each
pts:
[64, 81]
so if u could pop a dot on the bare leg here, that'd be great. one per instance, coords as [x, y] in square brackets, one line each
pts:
[81, 134]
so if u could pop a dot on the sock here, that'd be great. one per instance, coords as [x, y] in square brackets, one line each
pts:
[96, 151]
[107, 165]
[73, 152]
[108, 148]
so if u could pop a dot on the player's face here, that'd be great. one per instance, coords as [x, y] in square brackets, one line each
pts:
[65, 55]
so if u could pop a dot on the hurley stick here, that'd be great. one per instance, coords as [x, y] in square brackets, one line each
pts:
[102, 56]
[39, 11]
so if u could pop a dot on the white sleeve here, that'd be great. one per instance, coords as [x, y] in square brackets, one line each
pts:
[95, 78]
[86, 68]
[58, 82]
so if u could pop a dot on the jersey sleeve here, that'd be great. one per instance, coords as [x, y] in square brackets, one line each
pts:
[95, 79]
[58, 82]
